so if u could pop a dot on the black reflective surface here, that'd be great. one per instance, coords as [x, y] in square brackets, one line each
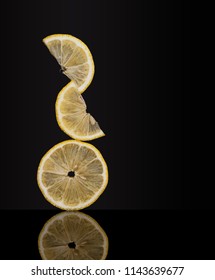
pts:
[132, 234]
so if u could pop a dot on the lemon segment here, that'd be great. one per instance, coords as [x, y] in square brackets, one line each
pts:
[72, 116]
[74, 57]
[88, 180]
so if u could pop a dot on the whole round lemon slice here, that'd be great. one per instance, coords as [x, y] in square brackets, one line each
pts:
[72, 116]
[72, 236]
[74, 57]
[72, 175]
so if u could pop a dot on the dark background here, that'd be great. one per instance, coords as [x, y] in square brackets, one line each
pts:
[140, 95]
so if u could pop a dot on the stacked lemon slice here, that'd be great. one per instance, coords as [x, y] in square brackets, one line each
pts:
[73, 174]
[74, 57]
[72, 116]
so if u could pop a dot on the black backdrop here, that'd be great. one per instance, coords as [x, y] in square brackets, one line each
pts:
[139, 95]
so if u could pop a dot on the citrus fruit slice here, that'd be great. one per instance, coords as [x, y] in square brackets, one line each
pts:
[74, 58]
[72, 236]
[72, 175]
[72, 116]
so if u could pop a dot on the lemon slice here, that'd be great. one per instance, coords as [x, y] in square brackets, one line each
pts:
[72, 236]
[74, 58]
[72, 116]
[72, 175]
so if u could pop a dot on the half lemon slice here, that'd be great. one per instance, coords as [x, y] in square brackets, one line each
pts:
[72, 116]
[72, 175]
[74, 57]
[72, 236]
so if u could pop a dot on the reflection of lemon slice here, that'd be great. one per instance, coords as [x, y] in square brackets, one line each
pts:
[72, 175]
[72, 236]
[74, 58]
[72, 116]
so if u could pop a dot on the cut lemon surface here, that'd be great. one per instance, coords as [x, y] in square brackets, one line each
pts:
[72, 175]
[74, 57]
[72, 116]
[72, 236]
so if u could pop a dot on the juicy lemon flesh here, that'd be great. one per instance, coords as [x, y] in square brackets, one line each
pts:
[74, 58]
[72, 116]
[89, 239]
[89, 181]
